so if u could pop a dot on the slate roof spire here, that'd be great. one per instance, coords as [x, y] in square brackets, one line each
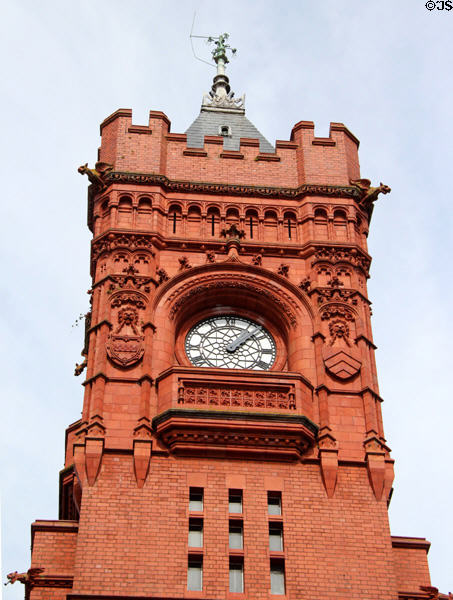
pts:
[221, 113]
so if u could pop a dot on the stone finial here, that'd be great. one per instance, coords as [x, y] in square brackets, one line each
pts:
[221, 95]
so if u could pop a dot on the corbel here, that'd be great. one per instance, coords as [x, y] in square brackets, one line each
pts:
[378, 472]
[142, 448]
[328, 454]
[95, 431]
[94, 449]
[79, 461]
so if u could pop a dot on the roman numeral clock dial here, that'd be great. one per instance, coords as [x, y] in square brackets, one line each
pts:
[230, 342]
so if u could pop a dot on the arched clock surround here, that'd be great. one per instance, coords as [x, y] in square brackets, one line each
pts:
[253, 292]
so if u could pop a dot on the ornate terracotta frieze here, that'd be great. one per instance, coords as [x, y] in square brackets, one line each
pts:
[112, 241]
[237, 396]
[233, 189]
[336, 254]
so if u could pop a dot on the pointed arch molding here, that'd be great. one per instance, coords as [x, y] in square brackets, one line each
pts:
[287, 299]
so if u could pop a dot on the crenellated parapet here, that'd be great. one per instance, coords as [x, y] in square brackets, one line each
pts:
[304, 159]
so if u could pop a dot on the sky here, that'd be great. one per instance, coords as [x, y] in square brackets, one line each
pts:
[382, 68]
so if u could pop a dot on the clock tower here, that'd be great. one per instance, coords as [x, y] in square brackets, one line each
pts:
[231, 443]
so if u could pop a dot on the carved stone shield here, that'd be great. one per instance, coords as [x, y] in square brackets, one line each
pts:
[125, 350]
[342, 362]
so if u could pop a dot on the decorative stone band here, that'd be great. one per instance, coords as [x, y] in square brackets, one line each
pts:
[53, 581]
[233, 189]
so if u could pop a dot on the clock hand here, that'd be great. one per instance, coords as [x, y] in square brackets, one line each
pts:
[240, 340]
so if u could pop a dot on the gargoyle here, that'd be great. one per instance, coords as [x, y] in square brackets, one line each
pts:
[369, 194]
[79, 368]
[23, 577]
[96, 175]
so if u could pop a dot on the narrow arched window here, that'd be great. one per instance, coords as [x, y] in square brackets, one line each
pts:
[251, 222]
[144, 213]
[270, 226]
[340, 225]
[174, 219]
[213, 220]
[194, 222]
[232, 216]
[125, 212]
[289, 220]
[321, 232]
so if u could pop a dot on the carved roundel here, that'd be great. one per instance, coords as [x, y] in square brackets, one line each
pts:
[230, 342]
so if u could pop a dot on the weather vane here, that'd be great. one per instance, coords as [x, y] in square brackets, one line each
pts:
[219, 53]
[220, 95]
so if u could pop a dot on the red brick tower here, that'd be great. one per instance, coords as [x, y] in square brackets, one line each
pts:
[231, 443]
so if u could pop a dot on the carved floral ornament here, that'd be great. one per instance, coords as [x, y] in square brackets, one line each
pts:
[120, 240]
[339, 294]
[351, 256]
[337, 310]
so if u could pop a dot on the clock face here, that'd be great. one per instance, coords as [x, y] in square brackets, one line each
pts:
[230, 342]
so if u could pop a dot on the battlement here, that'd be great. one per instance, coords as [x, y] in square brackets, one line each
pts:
[302, 159]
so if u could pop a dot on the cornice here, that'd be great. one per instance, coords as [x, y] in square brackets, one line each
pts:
[54, 525]
[410, 543]
[174, 185]
[235, 416]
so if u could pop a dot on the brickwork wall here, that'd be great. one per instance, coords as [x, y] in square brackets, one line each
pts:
[152, 150]
[54, 548]
[48, 593]
[411, 566]
[333, 548]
